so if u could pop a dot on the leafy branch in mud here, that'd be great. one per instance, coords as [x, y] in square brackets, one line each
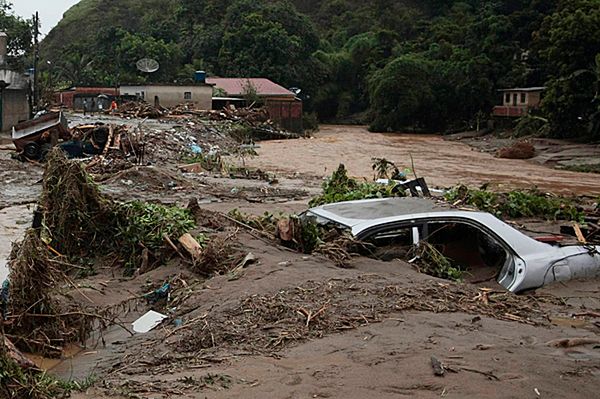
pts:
[267, 222]
[339, 187]
[431, 261]
[530, 203]
[384, 169]
[18, 383]
[146, 225]
[209, 161]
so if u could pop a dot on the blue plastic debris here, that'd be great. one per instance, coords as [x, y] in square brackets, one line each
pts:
[196, 149]
[159, 294]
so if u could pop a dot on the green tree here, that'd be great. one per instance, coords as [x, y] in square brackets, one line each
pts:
[133, 47]
[75, 68]
[269, 40]
[568, 44]
[402, 95]
[20, 35]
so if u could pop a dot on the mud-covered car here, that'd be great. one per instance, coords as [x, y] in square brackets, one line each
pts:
[478, 240]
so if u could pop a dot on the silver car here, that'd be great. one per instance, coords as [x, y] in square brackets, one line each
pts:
[475, 239]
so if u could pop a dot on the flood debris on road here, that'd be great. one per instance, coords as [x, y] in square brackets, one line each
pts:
[255, 121]
[78, 222]
[235, 276]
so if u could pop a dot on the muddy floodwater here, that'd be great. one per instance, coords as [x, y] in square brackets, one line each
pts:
[443, 163]
[13, 223]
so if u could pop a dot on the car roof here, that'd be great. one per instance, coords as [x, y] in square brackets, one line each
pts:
[352, 213]
[363, 215]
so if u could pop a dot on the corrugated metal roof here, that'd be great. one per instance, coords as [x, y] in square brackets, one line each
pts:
[264, 87]
[15, 80]
[525, 89]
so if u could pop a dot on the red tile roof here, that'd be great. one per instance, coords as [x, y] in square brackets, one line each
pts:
[264, 87]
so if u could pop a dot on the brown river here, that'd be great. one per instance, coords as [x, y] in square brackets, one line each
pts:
[442, 163]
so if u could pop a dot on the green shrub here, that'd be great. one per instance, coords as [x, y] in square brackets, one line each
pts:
[518, 203]
[143, 225]
[310, 122]
[530, 125]
[339, 187]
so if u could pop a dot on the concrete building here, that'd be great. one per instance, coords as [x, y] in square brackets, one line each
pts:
[14, 91]
[170, 95]
[518, 101]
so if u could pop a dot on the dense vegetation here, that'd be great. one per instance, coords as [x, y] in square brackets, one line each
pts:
[428, 65]
[20, 35]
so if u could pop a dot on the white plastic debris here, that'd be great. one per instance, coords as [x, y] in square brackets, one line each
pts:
[147, 322]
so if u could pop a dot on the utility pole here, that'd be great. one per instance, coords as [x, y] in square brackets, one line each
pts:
[36, 58]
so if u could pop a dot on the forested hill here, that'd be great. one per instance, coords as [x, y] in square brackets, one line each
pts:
[428, 65]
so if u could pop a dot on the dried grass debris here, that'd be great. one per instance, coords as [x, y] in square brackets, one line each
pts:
[267, 323]
[76, 215]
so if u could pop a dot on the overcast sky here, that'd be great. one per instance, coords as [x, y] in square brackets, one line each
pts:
[51, 11]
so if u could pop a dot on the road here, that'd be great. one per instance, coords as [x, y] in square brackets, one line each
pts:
[443, 163]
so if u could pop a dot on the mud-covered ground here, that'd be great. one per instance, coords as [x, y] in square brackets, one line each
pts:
[296, 326]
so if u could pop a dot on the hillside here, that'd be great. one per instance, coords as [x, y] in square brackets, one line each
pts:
[421, 65]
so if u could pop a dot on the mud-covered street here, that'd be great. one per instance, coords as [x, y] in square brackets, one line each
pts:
[279, 323]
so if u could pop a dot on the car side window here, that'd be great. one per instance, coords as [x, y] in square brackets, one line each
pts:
[394, 242]
[398, 235]
[466, 244]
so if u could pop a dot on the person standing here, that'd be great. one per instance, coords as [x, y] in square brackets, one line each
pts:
[85, 106]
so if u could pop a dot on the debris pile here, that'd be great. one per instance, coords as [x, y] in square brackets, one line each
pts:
[304, 235]
[519, 150]
[231, 113]
[270, 322]
[243, 124]
[77, 217]
[41, 323]
[192, 140]
[78, 222]
[139, 110]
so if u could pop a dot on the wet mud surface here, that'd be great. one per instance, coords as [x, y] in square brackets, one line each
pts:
[443, 163]
[499, 349]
